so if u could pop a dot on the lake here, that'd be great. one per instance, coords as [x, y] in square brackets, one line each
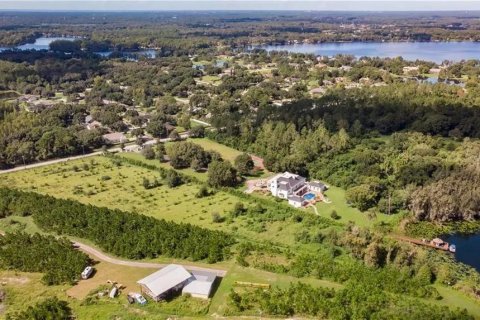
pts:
[468, 248]
[430, 51]
[43, 43]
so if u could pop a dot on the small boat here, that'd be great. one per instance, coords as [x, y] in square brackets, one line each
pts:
[452, 248]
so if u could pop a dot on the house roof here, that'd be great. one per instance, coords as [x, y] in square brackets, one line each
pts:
[165, 279]
[295, 199]
[204, 275]
[318, 184]
[288, 181]
[114, 136]
[198, 287]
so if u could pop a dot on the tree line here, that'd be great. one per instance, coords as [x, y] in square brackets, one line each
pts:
[350, 302]
[56, 258]
[124, 234]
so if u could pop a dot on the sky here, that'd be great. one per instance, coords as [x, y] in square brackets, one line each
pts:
[169, 5]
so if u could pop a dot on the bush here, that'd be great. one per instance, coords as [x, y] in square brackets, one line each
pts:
[51, 308]
[217, 218]
[173, 178]
[334, 215]
[203, 192]
[148, 153]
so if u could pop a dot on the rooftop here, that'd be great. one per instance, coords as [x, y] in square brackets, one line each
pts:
[165, 279]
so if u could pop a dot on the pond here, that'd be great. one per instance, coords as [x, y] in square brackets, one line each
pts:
[430, 51]
[468, 248]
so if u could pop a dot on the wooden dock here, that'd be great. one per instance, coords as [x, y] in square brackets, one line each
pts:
[444, 247]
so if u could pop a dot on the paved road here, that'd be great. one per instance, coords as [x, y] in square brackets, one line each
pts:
[102, 256]
[201, 122]
[49, 162]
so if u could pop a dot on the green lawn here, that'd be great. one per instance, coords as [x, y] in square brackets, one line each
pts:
[346, 212]
[226, 152]
[451, 297]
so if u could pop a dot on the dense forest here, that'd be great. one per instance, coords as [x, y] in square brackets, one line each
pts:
[124, 234]
[187, 31]
[381, 144]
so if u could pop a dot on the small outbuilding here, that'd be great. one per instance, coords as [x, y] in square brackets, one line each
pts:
[166, 281]
[201, 286]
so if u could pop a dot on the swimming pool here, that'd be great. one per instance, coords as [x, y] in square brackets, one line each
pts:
[309, 196]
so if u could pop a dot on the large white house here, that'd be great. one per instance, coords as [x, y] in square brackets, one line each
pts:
[293, 187]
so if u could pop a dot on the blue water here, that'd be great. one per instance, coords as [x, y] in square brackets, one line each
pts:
[468, 248]
[132, 55]
[309, 196]
[41, 43]
[430, 51]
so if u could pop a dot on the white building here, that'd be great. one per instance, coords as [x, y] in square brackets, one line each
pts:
[202, 286]
[293, 187]
[287, 184]
[165, 281]
[175, 278]
[296, 201]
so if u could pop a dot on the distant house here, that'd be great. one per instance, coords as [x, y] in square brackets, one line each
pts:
[94, 125]
[198, 66]
[221, 64]
[132, 148]
[174, 278]
[114, 137]
[318, 90]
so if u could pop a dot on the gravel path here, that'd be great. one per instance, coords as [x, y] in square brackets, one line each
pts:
[137, 264]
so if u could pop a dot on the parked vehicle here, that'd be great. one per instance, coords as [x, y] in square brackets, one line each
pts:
[113, 292]
[87, 272]
[140, 299]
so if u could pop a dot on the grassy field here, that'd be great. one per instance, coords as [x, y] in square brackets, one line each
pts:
[227, 153]
[120, 187]
[202, 176]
